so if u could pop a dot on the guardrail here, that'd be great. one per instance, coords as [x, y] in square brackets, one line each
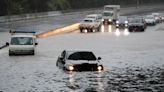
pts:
[1, 47]
[28, 16]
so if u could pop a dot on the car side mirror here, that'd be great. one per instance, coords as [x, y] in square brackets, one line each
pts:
[63, 62]
[7, 43]
[36, 43]
[99, 58]
[61, 58]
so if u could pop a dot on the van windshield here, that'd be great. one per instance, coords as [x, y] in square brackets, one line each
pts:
[108, 8]
[107, 14]
[22, 41]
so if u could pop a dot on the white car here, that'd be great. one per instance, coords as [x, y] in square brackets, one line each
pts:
[91, 23]
[150, 20]
[157, 17]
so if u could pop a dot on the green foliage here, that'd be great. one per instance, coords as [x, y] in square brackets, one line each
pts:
[10, 7]
[58, 4]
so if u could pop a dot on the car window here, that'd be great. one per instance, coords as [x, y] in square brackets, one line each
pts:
[82, 56]
[122, 19]
[88, 20]
[22, 41]
[92, 17]
[107, 14]
[136, 20]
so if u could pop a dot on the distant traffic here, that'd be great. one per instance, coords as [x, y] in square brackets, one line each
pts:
[24, 42]
[111, 16]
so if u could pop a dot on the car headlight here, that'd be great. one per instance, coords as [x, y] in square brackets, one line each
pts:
[126, 22]
[99, 68]
[70, 67]
[102, 19]
[109, 20]
[117, 22]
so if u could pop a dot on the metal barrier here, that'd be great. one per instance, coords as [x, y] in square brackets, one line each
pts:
[3, 46]
[78, 11]
[28, 16]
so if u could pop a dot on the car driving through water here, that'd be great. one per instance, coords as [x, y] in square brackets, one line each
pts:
[137, 24]
[79, 61]
[122, 22]
[91, 23]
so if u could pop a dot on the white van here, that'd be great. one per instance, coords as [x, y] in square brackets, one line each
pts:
[110, 14]
[22, 42]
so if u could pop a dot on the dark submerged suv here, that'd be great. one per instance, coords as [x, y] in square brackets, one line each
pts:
[79, 61]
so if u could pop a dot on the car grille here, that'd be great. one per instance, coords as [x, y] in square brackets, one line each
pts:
[85, 67]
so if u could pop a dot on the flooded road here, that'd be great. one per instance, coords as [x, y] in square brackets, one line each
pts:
[133, 62]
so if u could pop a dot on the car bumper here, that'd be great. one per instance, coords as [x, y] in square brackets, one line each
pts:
[86, 67]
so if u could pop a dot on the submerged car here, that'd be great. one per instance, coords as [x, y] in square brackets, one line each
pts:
[122, 22]
[79, 61]
[137, 24]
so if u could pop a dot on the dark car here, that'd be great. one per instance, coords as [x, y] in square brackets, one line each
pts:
[122, 22]
[137, 25]
[79, 61]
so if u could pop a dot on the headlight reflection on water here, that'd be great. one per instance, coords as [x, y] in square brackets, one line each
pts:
[102, 28]
[124, 32]
[106, 28]
[110, 28]
[117, 33]
[81, 80]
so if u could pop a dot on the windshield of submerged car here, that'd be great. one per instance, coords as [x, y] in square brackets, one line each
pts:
[21, 41]
[82, 56]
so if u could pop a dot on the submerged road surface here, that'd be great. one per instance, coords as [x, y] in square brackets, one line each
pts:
[132, 62]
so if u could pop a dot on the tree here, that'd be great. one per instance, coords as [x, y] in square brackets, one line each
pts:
[58, 4]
